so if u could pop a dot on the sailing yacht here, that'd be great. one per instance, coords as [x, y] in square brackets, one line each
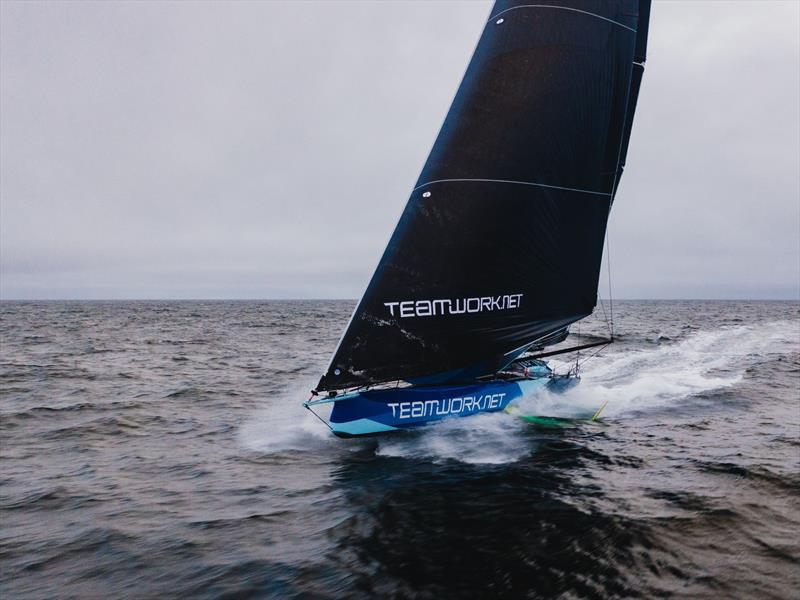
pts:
[499, 247]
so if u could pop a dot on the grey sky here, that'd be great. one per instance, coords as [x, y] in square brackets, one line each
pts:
[261, 150]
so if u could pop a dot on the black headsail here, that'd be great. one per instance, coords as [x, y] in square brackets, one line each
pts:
[501, 240]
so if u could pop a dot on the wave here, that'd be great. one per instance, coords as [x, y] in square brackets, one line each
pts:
[285, 426]
[626, 382]
[643, 379]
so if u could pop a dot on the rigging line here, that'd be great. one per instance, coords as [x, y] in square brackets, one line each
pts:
[595, 353]
[610, 295]
[544, 185]
[605, 316]
[611, 203]
[328, 425]
[577, 10]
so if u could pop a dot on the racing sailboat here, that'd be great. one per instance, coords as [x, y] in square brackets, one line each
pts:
[499, 247]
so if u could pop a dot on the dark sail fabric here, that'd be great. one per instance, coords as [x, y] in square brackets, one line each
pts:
[501, 240]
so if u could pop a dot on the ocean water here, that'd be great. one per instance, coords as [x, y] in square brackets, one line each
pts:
[157, 449]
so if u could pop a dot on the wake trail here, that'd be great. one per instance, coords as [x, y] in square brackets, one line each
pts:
[635, 380]
[630, 381]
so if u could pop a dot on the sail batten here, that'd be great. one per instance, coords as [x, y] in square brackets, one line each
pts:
[556, 6]
[500, 242]
[543, 185]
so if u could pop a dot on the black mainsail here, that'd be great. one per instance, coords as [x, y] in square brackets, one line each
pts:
[500, 243]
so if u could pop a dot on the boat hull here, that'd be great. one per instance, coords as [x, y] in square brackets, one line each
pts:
[378, 411]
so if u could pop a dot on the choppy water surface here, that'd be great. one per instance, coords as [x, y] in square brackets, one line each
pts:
[159, 448]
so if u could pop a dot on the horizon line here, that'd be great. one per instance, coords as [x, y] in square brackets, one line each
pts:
[321, 299]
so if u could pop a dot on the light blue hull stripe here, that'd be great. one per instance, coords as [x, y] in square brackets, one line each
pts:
[361, 427]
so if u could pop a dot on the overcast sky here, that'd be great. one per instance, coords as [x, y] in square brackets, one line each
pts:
[265, 150]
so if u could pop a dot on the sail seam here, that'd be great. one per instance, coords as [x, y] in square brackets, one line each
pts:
[577, 10]
[544, 185]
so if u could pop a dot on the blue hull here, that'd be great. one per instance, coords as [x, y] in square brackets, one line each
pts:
[376, 411]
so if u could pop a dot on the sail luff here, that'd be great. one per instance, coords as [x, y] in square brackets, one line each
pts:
[375, 271]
